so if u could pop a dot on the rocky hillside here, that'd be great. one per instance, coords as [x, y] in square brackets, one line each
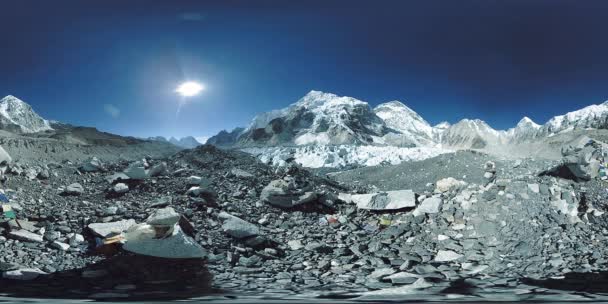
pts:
[501, 227]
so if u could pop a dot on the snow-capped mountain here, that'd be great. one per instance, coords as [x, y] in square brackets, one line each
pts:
[525, 129]
[307, 129]
[317, 118]
[593, 116]
[408, 124]
[225, 138]
[467, 133]
[187, 142]
[18, 116]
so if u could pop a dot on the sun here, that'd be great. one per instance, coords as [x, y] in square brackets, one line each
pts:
[189, 89]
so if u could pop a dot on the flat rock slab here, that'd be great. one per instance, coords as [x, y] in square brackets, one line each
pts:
[390, 200]
[26, 236]
[107, 229]
[24, 274]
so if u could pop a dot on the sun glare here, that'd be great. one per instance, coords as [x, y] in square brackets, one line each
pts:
[190, 88]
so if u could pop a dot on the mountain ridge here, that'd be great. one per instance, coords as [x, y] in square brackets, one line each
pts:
[321, 118]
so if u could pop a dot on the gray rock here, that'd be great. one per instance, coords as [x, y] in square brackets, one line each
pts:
[60, 245]
[535, 188]
[74, 189]
[120, 188]
[280, 193]
[390, 200]
[117, 177]
[237, 227]
[241, 173]
[136, 171]
[429, 205]
[447, 256]
[26, 236]
[23, 274]
[448, 184]
[158, 170]
[163, 217]
[106, 229]
[176, 246]
[92, 165]
[295, 244]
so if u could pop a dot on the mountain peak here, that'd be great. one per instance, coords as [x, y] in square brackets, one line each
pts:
[526, 121]
[16, 112]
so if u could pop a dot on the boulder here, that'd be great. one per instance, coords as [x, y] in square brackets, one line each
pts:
[158, 170]
[163, 217]
[448, 184]
[120, 188]
[281, 193]
[194, 180]
[237, 227]
[136, 171]
[107, 229]
[581, 161]
[73, 189]
[429, 205]
[93, 164]
[175, 246]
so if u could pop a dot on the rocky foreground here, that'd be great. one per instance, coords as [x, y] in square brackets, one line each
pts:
[247, 228]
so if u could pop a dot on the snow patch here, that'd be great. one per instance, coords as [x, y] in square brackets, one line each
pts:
[343, 155]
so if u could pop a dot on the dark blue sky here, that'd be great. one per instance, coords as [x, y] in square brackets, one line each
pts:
[494, 60]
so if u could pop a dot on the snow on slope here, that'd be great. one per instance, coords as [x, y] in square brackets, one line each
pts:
[401, 118]
[17, 112]
[317, 118]
[593, 116]
[343, 155]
